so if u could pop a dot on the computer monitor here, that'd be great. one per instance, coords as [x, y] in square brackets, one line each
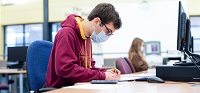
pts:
[152, 48]
[191, 45]
[188, 38]
[181, 35]
[184, 38]
[16, 56]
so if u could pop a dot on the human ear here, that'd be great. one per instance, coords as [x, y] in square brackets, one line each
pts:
[96, 21]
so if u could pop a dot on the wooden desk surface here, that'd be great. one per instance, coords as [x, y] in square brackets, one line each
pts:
[11, 71]
[140, 87]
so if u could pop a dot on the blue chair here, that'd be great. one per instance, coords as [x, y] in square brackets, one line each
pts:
[38, 54]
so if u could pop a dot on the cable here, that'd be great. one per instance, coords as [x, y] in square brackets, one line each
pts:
[191, 58]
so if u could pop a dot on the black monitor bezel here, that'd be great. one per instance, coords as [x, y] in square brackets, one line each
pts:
[182, 23]
[13, 54]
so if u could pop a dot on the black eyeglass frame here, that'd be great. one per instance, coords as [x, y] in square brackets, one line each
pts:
[109, 31]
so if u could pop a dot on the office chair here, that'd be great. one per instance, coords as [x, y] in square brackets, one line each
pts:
[130, 64]
[123, 66]
[38, 54]
[6, 86]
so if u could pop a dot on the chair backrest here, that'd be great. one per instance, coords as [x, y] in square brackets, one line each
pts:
[38, 54]
[130, 64]
[123, 66]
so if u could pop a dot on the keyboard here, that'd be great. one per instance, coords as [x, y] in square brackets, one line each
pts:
[104, 81]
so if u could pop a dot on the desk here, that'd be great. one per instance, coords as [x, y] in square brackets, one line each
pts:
[4, 77]
[138, 87]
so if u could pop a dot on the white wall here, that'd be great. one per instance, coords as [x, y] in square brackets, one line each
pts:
[159, 22]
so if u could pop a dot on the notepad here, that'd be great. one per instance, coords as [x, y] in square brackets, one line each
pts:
[132, 77]
[136, 75]
[96, 86]
[104, 82]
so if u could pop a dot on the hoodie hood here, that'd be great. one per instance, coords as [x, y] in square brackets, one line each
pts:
[71, 22]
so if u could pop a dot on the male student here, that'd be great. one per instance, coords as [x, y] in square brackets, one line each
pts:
[71, 56]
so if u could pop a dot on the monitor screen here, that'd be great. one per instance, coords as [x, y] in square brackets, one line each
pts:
[182, 27]
[17, 54]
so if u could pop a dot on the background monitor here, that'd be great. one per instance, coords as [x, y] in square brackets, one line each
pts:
[191, 45]
[152, 48]
[17, 54]
[188, 39]
[188, 36]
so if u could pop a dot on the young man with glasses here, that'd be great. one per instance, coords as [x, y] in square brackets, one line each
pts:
[71, 56]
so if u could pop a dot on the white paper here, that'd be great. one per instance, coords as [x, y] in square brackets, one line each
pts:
[96, 86]
[137, 75]
[128, 78]
[132, 77]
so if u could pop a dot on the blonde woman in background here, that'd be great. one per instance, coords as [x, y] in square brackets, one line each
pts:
[135, 55]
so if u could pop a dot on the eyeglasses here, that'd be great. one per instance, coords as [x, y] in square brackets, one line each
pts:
[109, 31]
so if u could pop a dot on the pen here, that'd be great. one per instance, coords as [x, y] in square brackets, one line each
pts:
[114, 67]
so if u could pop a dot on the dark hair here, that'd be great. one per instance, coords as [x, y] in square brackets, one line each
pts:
[107, 13]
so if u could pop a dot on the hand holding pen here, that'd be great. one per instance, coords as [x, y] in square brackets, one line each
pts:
[114, 70]
[110, 75]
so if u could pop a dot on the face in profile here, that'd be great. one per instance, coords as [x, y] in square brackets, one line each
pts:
[142, 47]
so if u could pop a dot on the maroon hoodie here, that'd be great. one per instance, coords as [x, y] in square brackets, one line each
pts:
[66, 62]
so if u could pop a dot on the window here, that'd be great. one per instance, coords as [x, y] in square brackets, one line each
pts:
[14, 35]
[21, 35]
[55, 28]
[33, 32]
[195, 30]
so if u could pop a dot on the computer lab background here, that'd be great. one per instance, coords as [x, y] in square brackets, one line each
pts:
[21, 22]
